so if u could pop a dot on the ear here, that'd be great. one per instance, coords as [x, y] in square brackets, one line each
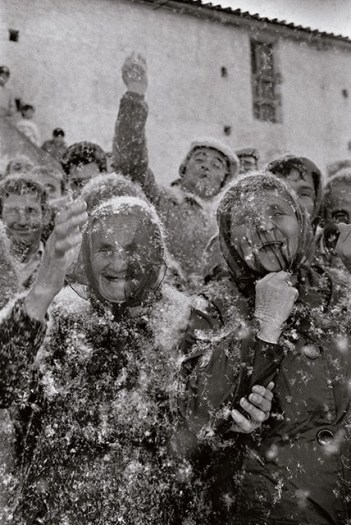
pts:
[182, 169]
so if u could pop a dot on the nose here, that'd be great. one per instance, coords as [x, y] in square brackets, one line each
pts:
[119, 261]
[22, 218]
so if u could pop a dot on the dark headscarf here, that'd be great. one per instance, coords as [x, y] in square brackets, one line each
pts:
[282, 167]
[235, 198]
[146, 267]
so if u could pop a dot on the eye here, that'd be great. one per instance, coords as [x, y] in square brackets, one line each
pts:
[106, 249]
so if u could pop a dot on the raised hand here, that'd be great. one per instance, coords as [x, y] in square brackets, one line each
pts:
[60, 250]
[275, 298]
[134, 74]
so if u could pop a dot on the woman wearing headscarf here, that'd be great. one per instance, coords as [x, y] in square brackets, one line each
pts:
[94, 403]
[283, 319]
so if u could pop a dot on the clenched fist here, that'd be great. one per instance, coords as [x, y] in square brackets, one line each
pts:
[134, 74]
[275, 298]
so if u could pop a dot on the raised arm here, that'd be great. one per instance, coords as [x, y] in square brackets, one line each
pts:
[23, 326]
[129, 148]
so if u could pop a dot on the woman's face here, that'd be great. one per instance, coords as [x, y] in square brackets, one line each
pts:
[112, 248]
[265, 232]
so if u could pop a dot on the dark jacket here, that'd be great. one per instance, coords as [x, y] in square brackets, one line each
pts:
[296, 469]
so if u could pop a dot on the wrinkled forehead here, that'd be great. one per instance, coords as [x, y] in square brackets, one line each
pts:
[208, 152]
[25, 197]
[260, 203]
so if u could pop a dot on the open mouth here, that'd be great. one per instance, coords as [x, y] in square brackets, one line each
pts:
[115, 278]
[270, 244]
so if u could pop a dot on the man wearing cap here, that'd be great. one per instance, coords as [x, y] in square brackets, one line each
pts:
[7, 102]
[56, 147]
[188, 208]
[248, 158]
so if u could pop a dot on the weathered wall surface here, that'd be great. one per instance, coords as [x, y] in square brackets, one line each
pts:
[69, 54]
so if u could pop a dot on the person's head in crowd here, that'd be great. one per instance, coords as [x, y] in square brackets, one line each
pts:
[336, 205]
[207, 168]
[248, 158]
[263, 229]
[58, 136]
[24, 211]
[19, 165]
[337, 166]
[303, 176]
[123, 246]
[27, 111]
[81, 162]
[52, 178]
[4, 75]
[104, 187]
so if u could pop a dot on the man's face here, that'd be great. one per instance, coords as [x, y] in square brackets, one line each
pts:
[247, 163]
[3, 79]
[20, 166]
[303, 186]
[205, 172]
[265, 232]
[111, 254]
[23, 217]
[52, 185]
[339, 207]
[59, 140]
[28, 114]
[80, 175]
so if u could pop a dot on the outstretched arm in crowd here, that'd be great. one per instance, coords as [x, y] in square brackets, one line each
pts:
[129, 148]
[23, 327]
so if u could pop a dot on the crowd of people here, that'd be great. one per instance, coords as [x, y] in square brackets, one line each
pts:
[173, 356]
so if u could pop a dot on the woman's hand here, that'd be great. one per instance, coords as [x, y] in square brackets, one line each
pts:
[257, 406]
[275, 299]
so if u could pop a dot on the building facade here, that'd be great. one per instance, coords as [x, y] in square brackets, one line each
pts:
[245, 80]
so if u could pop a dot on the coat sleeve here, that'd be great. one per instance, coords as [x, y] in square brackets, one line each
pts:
[129, 147]
[20, 337]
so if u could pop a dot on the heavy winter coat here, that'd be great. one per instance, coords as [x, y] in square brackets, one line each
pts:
[297, 468]
[93, 388]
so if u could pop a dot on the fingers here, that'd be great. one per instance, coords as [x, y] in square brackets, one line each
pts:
[242, 423]
[67, 244]
[73, 216]
[257, 414]
[345, 232]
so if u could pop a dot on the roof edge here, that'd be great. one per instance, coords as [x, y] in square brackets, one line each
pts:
[237, 17]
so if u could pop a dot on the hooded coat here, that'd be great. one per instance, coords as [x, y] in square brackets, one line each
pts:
[92, 388]
[297, 468]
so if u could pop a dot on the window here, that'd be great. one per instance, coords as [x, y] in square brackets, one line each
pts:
[264, 81]
[13, 35]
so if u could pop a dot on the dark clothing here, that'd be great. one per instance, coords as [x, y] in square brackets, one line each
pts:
[297, 468]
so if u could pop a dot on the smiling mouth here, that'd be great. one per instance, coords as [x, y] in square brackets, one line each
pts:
[114, 278]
